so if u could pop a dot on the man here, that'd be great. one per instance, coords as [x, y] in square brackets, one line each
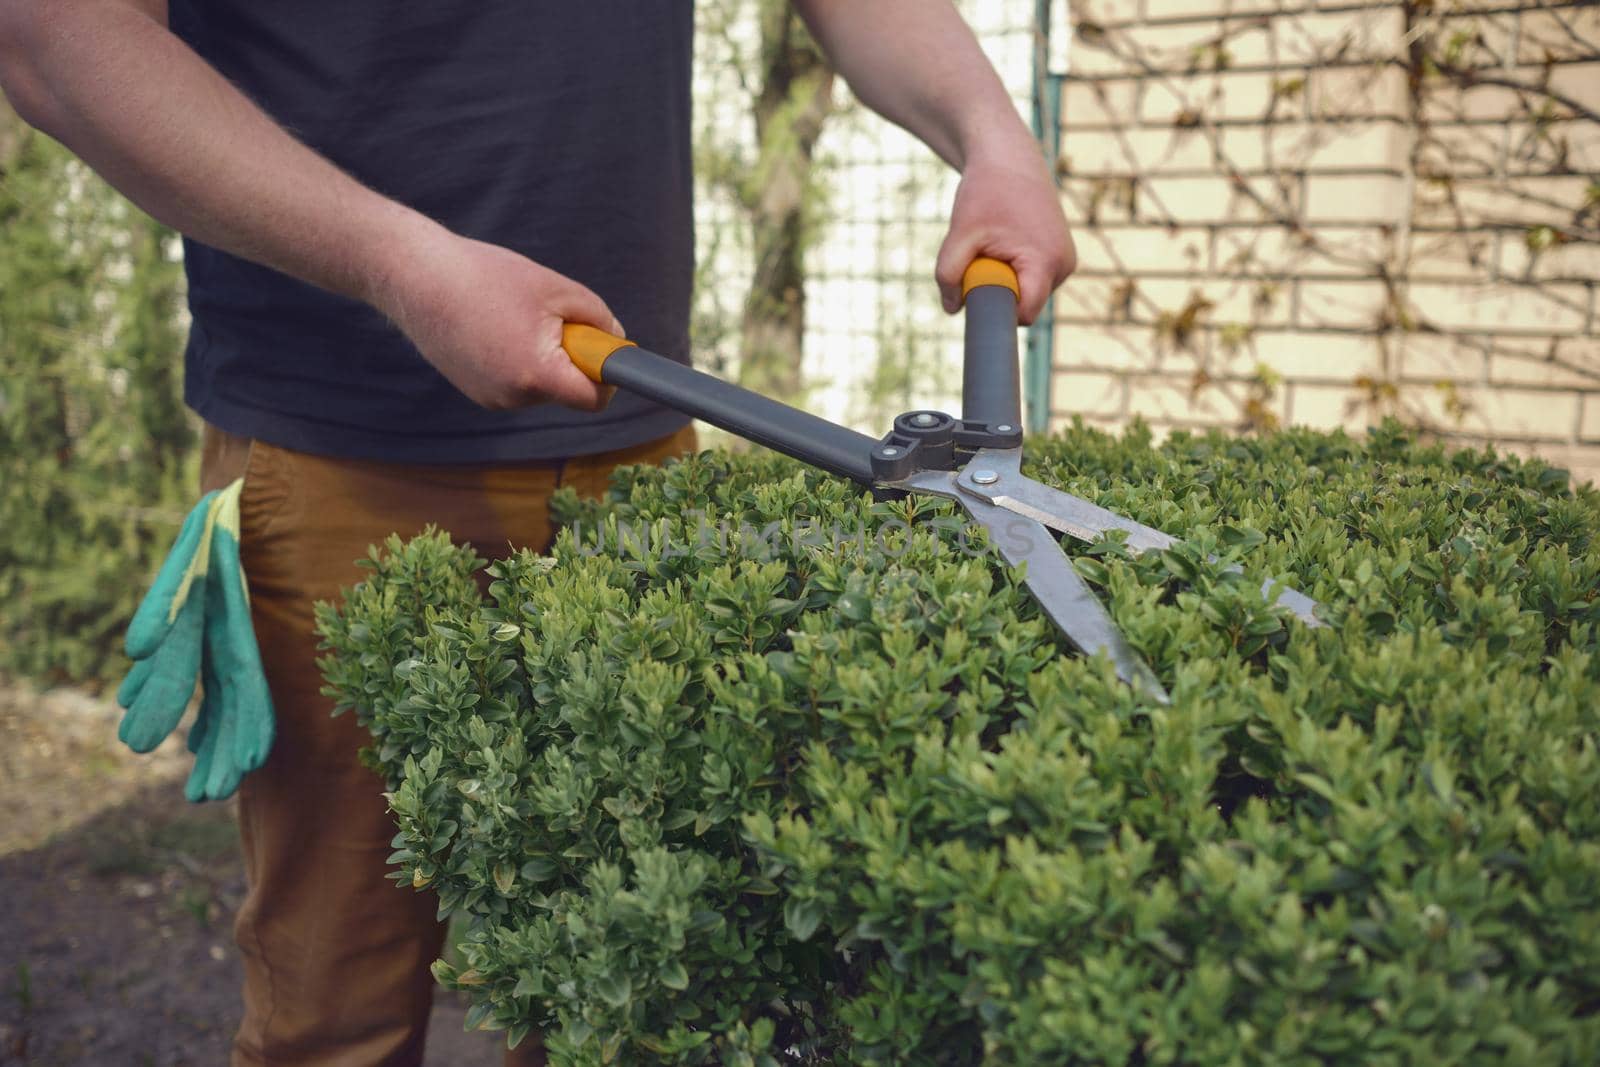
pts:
[390, 209]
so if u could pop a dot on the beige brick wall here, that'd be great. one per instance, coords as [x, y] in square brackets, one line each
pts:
[1280, 220]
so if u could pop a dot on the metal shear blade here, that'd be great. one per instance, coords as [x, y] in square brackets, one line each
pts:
[1016, 511]
[1078, 518]
[1024, 543]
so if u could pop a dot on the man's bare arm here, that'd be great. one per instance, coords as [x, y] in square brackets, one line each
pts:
[109, 80]
[917, 63]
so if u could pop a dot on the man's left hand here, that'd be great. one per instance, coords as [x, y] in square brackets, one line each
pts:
[1008, 208]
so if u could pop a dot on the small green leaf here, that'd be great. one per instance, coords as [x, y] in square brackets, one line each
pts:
[801, 917]
[538, 868]
[614, 989]
[674, 976]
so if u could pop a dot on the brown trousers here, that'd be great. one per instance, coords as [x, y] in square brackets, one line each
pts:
[335, 955]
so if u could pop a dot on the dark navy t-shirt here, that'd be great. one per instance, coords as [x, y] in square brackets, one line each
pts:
[558, 129]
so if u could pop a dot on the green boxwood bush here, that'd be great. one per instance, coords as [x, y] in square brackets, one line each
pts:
[712, 799]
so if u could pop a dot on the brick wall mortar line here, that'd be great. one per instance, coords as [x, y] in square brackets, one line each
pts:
[1164, 125]
[1486, 226]
[1235, 226]
[1220, 275]
[1340, 9]
[1136, 125]
[1477, 379]
[1359, 333]
[1180, 69]
[1403, 248]
[1358, 170]
[1510, 60]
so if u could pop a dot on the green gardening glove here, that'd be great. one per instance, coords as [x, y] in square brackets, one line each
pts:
[196, 619]
[236, 717]
[165, 638]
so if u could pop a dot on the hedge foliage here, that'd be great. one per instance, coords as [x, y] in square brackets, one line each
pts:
[97, 454]
[756, 801]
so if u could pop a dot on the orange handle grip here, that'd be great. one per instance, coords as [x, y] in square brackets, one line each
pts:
[589, 348]
[987, 271]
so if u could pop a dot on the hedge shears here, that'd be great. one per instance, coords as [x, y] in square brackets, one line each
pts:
[975, 460]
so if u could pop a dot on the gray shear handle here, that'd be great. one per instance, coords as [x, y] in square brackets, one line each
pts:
[991, 383]
[614, 361]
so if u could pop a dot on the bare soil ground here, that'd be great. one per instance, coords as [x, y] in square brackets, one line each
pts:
[117, 900]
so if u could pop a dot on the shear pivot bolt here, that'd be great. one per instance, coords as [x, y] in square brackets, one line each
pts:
[1003, 428]
[890, 451]
[985, 477]
[924, 419]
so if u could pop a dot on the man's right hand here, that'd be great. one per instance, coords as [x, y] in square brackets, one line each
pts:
[490, 321]
[111, 82]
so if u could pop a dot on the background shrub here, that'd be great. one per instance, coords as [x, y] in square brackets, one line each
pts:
[97, 456]
[752, 801]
